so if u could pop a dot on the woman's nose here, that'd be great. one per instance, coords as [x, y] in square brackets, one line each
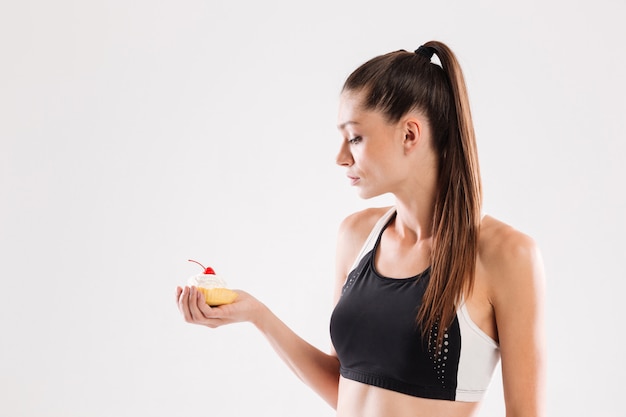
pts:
[344, 157]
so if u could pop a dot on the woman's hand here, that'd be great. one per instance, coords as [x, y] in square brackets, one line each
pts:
[194, 309]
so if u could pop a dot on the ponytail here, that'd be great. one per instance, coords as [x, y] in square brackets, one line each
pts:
[457, 210]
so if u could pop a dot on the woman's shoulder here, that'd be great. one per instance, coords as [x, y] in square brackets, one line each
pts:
[362, 222]
[501, 241]
[353, 232]
[506, 255]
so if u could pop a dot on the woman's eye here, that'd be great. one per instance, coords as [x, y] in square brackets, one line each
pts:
[354, 140]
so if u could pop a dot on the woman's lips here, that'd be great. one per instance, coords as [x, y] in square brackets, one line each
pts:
[353, 180]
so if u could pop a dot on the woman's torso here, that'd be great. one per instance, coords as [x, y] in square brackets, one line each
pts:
[357, 398]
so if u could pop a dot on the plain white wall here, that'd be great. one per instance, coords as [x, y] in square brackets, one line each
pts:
[137, 135]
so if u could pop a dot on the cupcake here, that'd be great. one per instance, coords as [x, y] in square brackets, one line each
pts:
[213, 287]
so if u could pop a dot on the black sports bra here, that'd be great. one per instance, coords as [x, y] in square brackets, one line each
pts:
[374, 332]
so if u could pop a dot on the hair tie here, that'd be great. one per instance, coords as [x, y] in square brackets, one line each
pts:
[425, 51]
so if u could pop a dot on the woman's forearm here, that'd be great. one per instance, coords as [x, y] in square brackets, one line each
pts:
[317, 369]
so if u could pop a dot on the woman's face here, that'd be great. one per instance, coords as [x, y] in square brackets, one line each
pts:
[371, 148]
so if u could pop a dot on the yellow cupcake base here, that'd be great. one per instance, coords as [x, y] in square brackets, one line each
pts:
[218, 296]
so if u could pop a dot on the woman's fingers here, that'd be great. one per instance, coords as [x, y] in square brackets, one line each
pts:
[179, 291]
[183, 304]
[194, 308]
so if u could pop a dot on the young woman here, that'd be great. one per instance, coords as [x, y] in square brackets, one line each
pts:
[430, 293]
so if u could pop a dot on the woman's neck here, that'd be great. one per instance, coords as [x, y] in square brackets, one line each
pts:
[414, 218]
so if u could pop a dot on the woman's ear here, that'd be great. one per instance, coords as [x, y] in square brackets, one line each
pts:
[412, 130]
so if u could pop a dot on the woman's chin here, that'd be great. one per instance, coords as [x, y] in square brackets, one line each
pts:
[366, 194]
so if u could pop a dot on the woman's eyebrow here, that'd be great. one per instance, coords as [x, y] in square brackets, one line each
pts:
[349, 122]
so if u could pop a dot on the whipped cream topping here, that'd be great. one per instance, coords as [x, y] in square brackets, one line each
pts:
[206, 281]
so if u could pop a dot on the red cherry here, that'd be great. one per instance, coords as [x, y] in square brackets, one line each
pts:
[207, 271]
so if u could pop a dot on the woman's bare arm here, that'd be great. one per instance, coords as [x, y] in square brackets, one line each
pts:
[517, 295]
[318, 370]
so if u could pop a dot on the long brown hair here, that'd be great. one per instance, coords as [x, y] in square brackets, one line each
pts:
[401, 81]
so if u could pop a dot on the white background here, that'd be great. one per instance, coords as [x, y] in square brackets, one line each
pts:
[135, 135]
